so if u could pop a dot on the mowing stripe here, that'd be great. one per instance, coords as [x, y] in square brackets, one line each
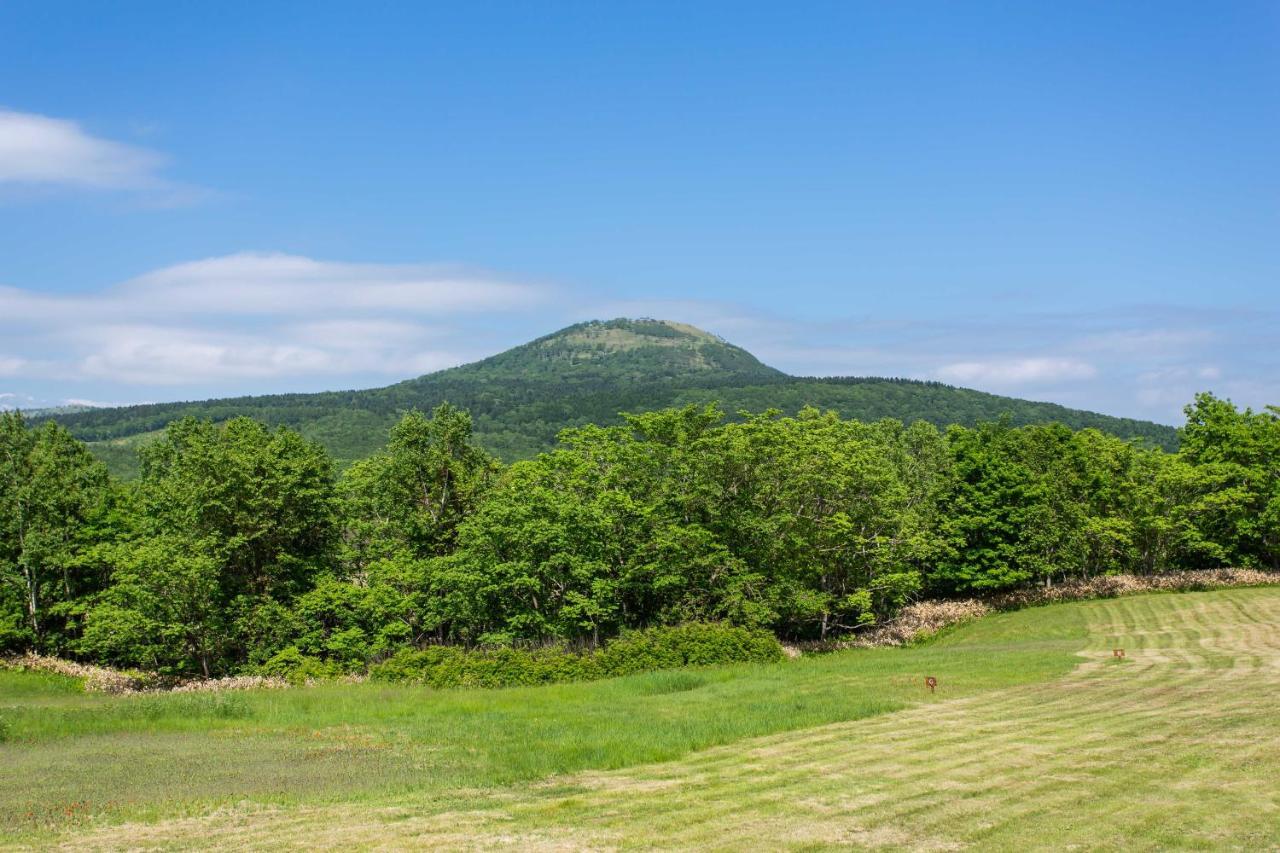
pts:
[1176, 747]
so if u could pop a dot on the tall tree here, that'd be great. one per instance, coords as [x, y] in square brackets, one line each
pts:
[260, 501]
[52, 493]
[1014, 511]
[1242, 448]
[412, 496]
[230, 519]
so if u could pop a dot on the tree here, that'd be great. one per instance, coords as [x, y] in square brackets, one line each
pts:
[52, 494]
[543, 556]
[412, 496]
[835, 514]
[1242, 449]
[1014, 511]
[164, 611]
[262, 501]
[1181, 514]
[231, 522]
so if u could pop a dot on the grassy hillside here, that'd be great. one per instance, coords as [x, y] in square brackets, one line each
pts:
[589, 373]
[1036, 737]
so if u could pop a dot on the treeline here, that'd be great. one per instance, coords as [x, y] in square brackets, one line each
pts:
[240, 548]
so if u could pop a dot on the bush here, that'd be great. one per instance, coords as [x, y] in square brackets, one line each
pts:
[639, 651]
[296, 668]
[697, 644]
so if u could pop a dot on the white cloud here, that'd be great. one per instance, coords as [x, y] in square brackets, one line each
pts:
[273, 283]
[1133, 341]
[360, 334]
[158, 355]
[255, 316]
[10, 401]
[10, 366]
[1017, 371]
[153, 355]
[41, 151]
[36, 149]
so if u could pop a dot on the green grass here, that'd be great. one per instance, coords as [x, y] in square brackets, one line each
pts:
[133, 756]
[1023, 745]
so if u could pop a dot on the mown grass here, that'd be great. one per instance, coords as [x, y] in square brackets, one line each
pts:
[73, 758]
[1036, 739]
[1177, 747]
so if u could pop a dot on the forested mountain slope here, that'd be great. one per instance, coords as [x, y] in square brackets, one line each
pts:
[587, 373]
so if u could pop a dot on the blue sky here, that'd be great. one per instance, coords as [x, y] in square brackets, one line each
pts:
[1077, 202]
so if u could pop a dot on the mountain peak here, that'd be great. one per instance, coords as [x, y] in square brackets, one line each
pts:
[624, 350]
[624, 333]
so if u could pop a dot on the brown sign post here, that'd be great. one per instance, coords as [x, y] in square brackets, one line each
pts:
[1117, 653]
[931, 683]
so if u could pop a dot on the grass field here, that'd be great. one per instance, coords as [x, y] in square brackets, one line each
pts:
[1035, 738]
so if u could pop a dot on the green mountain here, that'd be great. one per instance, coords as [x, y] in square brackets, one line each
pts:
[587, 373]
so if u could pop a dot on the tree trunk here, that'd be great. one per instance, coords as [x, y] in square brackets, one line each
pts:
[33, 600]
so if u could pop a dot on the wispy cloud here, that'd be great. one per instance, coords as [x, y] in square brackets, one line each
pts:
[38, 151]
[1017, 371]
[10, 400]
[253, 316]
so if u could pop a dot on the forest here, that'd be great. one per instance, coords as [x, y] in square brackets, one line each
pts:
[242, 549]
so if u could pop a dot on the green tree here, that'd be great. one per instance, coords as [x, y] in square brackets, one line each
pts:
[412, 496]
[1015, 510]
[231, 522]
[53, 496]
[837, 515]
[164, 611]
[261, 500]
[1242, 450]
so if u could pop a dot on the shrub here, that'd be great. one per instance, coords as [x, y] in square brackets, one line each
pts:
[698, 644]
[296, 668]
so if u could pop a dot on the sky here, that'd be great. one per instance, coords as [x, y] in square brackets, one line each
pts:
[1076, 202]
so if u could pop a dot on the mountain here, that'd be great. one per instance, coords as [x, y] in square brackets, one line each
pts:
[587, 373]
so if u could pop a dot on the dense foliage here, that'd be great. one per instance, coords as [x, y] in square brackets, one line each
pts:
[638, 651]
[241, 549]
[521, 399]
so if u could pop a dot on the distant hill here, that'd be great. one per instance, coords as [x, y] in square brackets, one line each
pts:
[53, 411]
[587, 373]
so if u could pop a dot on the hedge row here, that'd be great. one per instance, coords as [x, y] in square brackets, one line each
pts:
[697, 644]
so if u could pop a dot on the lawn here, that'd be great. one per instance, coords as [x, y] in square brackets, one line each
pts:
[1035, 737]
